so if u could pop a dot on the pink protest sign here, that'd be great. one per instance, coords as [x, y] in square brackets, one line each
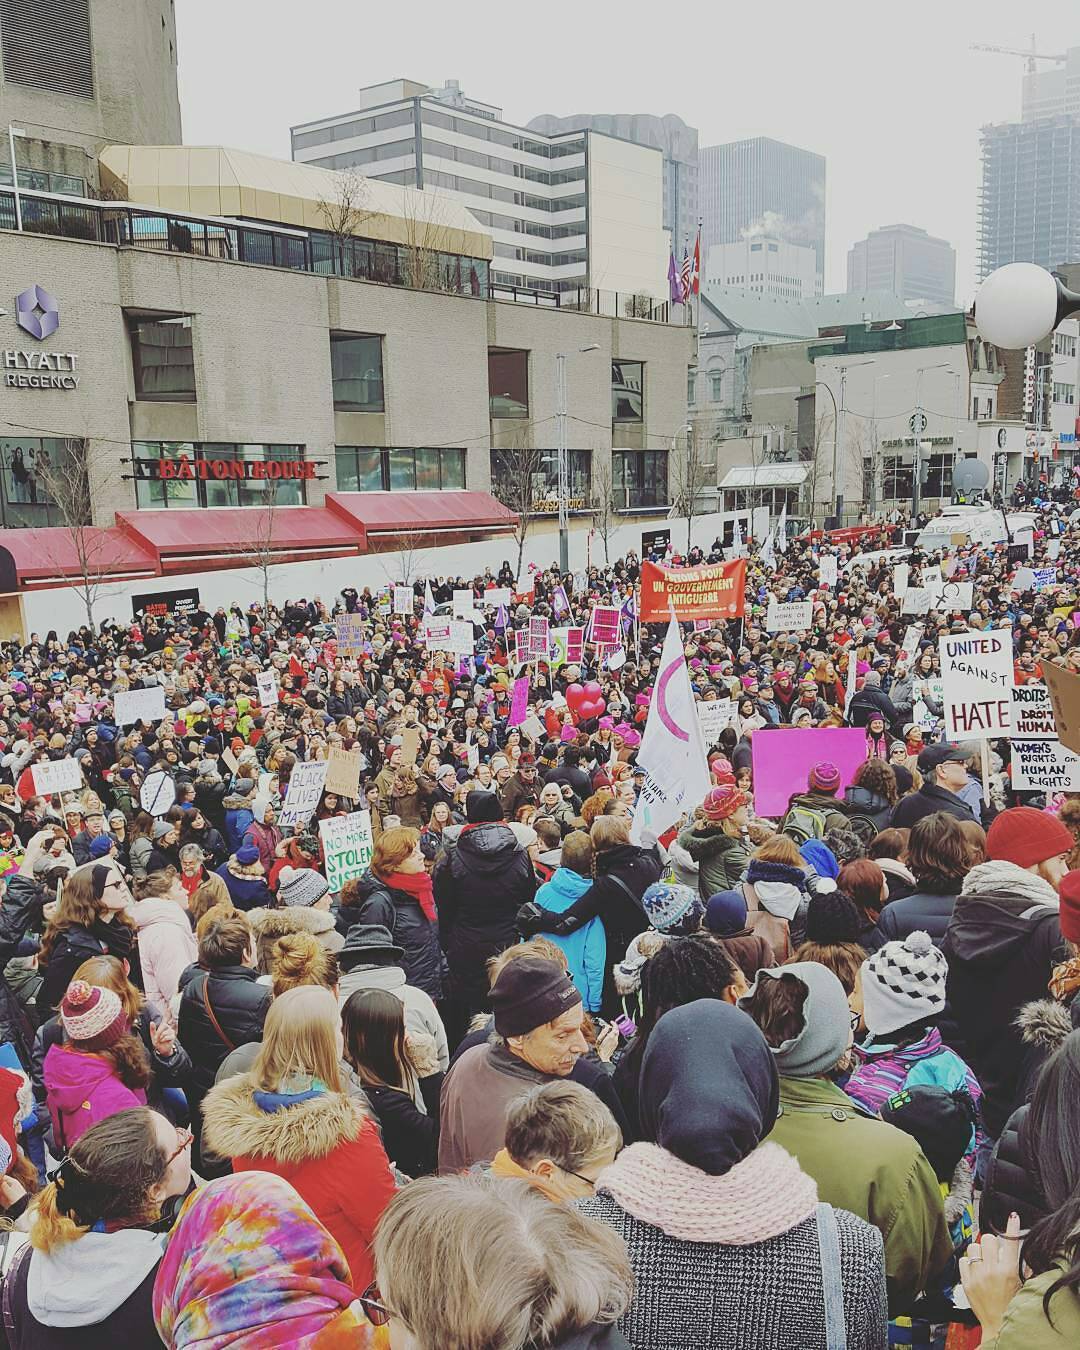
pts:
[521, 645]
[782, 759]
[605, 625]
[519, 702]
[575, 645]
[539, 640]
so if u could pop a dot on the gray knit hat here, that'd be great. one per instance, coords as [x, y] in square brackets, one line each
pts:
[826, 1032]
[903, 982]
[301, 886]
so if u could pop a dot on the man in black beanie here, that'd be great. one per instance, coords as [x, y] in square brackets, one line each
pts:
[537, 1038]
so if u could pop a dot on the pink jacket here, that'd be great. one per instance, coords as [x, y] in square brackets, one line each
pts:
[82, 1089]
[167, 947]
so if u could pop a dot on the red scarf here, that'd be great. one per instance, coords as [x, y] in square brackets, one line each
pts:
[418, 885]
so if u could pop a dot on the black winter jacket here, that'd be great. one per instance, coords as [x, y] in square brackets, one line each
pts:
[410, 1137]
[870, 702]
[925, 802]
[20, 912]
[623, 875]
[480, 882]
[240, 1005]
[377, 902]
[924, 910]
[861, 801]
[1002, 944]
[74, 946]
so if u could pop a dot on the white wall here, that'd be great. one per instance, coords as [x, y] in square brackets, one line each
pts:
[64, 609]
[628, 245]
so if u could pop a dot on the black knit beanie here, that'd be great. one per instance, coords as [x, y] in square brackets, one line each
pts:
[831, 917]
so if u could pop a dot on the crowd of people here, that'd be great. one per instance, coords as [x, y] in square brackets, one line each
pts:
[796, 1079]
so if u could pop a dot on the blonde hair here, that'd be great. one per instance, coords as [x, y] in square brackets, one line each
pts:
[780, 849]
[608, 831]
[300, 1040]
[536, 946]
[564, 1122]
[547, 1269]
[206, 896]
[297, 959]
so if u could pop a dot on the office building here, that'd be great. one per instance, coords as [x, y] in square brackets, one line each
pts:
[905, 260]
[79, 74]
[670, 134]
[1053, 91]
[568, 213]
[1029, 196]
[765, 264]
[762, 186]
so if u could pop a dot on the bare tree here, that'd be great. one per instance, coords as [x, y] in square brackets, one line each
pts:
[605, 517]
[410, 545]
[693, 471]
[72, 483]
[346, 211]
[259, 549]
[517, 480]
[869, 460]
[818, 458]
[426, 244]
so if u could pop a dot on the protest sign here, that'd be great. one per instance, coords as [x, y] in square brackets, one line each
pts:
[519, 701]
[521, 646]
[460, 640]
[792, 617]
[496, 596]
[782, 761]
[403, 599]
[900, 574]
[977, 679]
[437, 633]
[140, 705]
[909, 648]
[930, 579]
[714, 717]
[305, 788]
[604, 626]
[921, 712]
[1053, 549]
[917, 601]
[472, 758]
[350, 634]
[58, 775]
[267, 682]
[157, 793]
[385, 601]
[410, 745]
[463, 603]
[347, 847]
[708, 592]
[827, 569]
[1023, 579]
[539, 641]
[1044, 577]
[1032, 714]
[955, 595]
[343, 772]
[1064, 688]
[581, 583]
[231, 762]
[534, 728]
[1044, 766]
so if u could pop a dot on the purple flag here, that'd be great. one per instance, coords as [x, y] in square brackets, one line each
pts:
[674, 285]
[500, 618]
[559, 601]
[519, 701]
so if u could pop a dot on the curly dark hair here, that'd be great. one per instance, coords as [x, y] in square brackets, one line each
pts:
[877, 776]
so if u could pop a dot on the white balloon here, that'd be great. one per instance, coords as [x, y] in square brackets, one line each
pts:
[1016, 306]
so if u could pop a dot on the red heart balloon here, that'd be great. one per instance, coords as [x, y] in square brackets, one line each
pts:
[552, 722]
[601, 707]
[574, 694]
[593, 691]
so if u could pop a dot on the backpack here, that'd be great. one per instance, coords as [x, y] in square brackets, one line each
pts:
[803, 823]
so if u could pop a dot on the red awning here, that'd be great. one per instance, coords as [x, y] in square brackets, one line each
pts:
[391, 513]
[54, 554]
[182, 540]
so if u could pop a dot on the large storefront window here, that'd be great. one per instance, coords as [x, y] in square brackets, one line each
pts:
[183, 475]
[508, 382]
[639, 479]
[543, 466]
[357, 367]
[163, 359]
[399, 469]
[627, 391]
[27, 463]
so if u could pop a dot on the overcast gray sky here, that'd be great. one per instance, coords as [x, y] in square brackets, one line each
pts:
[889, 93]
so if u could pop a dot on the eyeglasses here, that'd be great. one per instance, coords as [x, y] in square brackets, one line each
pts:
[185, 1140]
[587, 1181]
[378, 1314]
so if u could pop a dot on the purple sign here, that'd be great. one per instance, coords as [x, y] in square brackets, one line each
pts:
[519, 701]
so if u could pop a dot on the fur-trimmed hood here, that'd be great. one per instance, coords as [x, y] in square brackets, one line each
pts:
[270, 924]
[1044, 1023]
[235, 1127]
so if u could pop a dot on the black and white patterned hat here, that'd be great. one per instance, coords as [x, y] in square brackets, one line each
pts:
[903, 982]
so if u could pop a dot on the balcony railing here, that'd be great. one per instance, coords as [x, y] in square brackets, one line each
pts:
[126, 226]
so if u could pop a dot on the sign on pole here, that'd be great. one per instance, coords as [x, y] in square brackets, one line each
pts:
[347, 847]
[827, 569]
[539, 640]
[57, 775]
[713, 591]
[139, 705]
[343, 772]
[519, 702]
[463, 603]
[793, 617]
[604, 628]
[403, 599]
[1032, 714]
[350, 634]
[977, 680]
[157, 793]
[305, 788]
[267, 682]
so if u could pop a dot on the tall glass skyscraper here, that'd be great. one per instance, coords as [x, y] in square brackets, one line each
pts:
[762, 186]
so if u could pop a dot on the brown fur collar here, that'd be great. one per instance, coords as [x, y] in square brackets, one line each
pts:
[275, 923]
[236, 1128]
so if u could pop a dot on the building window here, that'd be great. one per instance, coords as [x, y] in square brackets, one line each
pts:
[1064, 344]
[399, 469]
[26, 465]
[1064, 393]
[357, 371]
[163, 359]
[691, 386]
[627, 391]
[639, 479]
[543, 468]
[897, 480]
[937, 473]
[717, 380]
[508, 382]
[185, 475]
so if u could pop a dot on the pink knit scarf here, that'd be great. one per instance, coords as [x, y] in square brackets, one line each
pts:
[763, 1196]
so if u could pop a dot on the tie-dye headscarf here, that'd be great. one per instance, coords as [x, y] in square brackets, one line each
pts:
[249, 1264]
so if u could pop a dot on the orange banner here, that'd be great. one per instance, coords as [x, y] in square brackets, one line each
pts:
[711, 592]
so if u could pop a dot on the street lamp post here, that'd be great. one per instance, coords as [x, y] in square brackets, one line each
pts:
[562, 454]
[835, 430]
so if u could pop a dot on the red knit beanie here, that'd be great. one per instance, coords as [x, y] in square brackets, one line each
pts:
[1026, 837]
[722, 802]
[1069, 914]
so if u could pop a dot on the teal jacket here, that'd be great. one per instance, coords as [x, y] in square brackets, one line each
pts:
[586, 949]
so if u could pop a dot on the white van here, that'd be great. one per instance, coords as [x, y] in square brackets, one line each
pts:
[961, 526]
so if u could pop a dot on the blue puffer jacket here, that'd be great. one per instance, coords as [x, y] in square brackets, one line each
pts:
[238, 816]
[586, 949]
[247, 892]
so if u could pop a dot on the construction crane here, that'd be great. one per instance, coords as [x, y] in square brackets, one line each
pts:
[1029, 54]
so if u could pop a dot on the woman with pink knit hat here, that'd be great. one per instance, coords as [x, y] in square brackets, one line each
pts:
[716, 839]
